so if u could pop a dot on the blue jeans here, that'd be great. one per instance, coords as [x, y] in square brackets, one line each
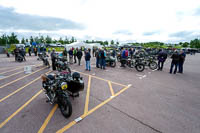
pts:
[172, 66]
[180, 67]
[103, 63]
[88, 65]
[97, 62]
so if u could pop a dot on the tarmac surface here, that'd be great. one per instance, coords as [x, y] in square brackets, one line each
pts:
[117, 100]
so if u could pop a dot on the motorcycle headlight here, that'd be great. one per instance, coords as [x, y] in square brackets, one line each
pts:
[64, 86]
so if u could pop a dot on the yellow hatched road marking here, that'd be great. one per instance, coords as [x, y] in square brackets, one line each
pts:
[22, 107]
[21, 78]
[87, 96]
[111, 89]
[1, 100]
[100, 78]
[48, 119]
[91, 111]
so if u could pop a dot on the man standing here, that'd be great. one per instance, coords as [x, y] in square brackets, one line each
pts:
[124, 57]
[29, 51]
[181, 61]
[103, 59]
[71, 56]
[162, 56]
[53, 59]
[79, 56]
[75, 54]
[175, 61]
[87, 60]
[65, 54]
[97, 57]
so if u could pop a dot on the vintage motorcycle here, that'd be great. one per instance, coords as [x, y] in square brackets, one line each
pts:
[135, 63]
[111, 61]
[44, 58]
[150, 62]
[19, 57]
[59, 87]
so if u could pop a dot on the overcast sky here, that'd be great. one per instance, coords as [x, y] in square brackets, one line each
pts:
[123, 20]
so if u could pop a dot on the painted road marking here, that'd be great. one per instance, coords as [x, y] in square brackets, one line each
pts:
[21, 78]
[48, 119]
[21, 108]
[11, 70]
[111, 89]
[1, 100]
[91, 111]
[100, 78]
[87, 96]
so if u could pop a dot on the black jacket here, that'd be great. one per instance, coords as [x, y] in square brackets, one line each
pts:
[79, 54]
[87, 57]
[175, 58]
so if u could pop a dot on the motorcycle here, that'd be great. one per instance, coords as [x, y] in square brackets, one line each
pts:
[150, 62]
[59, 87]
[19, 57]
[44, 58]
[135, 63]
[111, 61]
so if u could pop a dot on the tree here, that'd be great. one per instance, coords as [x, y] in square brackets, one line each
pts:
[26, 40]
[185, 44]
[66, 41]
[72, 40]
[23, 41]
[61, 41]
[31, 40]
[12, 39]
[112, 42]
[48, 39]
[41, 39]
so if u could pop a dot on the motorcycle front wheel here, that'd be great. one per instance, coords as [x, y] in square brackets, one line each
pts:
[140, 67]
[153, 65]
[65, 107]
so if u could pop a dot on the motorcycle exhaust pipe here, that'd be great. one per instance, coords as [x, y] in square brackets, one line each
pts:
[48, 99]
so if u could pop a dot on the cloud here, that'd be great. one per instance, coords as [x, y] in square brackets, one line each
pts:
[197, 12]
[151, 33]
[123, 32]
[181, 34]
[15, 21]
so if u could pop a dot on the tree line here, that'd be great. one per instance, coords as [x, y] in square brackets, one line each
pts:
[13, 39]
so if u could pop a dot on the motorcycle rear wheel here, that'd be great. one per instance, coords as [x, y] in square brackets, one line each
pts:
[113, 64]
[140, 67]
[66, 107]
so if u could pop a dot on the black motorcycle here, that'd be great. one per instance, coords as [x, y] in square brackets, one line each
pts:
[110, 61]
[134, 63]
[44, 58]
[19, 57]
[59, 87]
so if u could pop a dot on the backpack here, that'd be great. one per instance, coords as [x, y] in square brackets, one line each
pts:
[126, 53]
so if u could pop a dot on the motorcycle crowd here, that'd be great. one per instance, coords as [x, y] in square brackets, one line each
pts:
[61, 85]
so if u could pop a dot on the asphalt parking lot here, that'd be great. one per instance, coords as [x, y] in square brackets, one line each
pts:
[118, 100]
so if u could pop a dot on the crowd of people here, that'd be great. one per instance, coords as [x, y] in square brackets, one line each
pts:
[75, 55]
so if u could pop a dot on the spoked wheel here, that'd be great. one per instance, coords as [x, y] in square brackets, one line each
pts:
[153, 65]
[140, 67]
[66, 107]
[113, 64]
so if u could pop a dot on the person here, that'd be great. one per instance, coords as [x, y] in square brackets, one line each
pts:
[131, 52]
[75, 54]
[93, 51]
[113, 53]
[16, 52]
[175, 61]
[65, 54]
[79, 56]
[53, 59]
[23, 53]
[103, 59]
[71, 56]
[181, 61]
[162, 56]
[124, 57]
[87, 60]
[29, 51]
[97, 57]
[35, 51]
